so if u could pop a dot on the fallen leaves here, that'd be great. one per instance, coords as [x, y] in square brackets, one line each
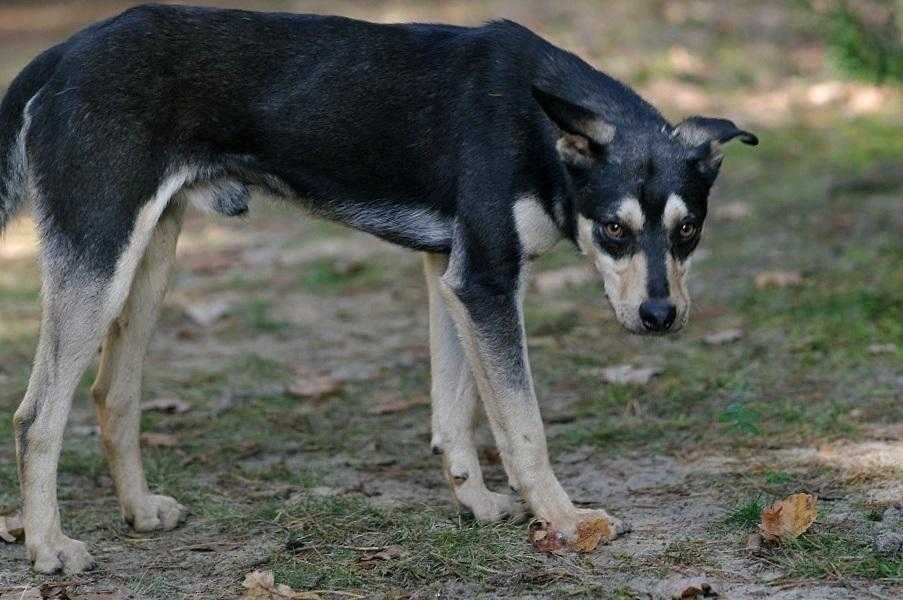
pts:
[590, 534]
[173, 406]
[11, 528]
[372, 558]
[629, 374]
[260, 585]
[787, 519]
[778, 279]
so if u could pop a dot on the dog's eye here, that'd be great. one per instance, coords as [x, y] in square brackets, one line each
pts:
[614, 230]
[687, 230]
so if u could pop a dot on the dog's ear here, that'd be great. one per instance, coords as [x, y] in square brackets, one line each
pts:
[584, 134]
[704, 136]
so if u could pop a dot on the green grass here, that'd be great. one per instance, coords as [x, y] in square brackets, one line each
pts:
[745, 515]
[323, 534]
[834, 556]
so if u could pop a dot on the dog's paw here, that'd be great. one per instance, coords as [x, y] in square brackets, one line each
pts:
[156, 513]
[64, 554]
[490, 507]
[575, 524]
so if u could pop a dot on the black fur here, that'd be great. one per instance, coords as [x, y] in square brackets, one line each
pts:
[423, 135]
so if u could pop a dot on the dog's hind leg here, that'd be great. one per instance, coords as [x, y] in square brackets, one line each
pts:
[117, 389]
[84, 289]
[455, 408]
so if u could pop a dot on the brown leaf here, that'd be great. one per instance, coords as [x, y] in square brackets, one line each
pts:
[260, 585]
[162, 440]
[370, 558]
[167, 405]
[590, 533]
[778, 279]
[394, 405]
[547, 540]
[11, 528]
[313, 385]
[788, 518]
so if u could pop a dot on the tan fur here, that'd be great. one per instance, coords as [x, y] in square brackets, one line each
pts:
[536, 230]
[117, 390]
[631, 213]
[674, 213]
[76, 314]
[624, 279]
[455, 407]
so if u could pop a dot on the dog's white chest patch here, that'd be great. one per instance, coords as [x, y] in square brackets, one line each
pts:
[536, 230]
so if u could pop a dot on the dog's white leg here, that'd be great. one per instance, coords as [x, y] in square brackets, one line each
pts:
[117, 389]
[492, 331]
[455, 408]
[79, 305]
[69, 338]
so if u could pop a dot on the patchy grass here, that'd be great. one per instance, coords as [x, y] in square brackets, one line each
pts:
[834, 556]
[300, 485]
[746, 515]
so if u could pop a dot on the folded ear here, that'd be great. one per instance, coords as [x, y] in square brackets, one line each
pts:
[704, 136]
[584, 133]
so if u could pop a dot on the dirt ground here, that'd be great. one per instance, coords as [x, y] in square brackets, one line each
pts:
[801, 391]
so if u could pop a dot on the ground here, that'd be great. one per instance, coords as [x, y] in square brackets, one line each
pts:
[807, 399]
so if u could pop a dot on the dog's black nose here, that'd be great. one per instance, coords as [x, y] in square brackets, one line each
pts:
[657, 315]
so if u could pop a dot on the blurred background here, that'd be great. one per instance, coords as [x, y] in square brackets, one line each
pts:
[307, 342]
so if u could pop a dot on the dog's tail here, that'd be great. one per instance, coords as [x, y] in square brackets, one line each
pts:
[14, 120]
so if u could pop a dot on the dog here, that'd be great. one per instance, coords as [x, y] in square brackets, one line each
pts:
[480, 147]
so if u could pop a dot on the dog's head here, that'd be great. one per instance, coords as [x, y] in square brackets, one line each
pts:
[640, 194]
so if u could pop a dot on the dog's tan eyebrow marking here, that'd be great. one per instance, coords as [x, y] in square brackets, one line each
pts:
[675, 211]
[631, 213]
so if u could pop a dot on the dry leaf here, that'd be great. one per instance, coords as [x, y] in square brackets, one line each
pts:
[312, 385]
[590, 534]
[726, 336]
[162, 440]
[397, 405]
[11, 528]
[754, 543]
[260, 585]
[206, 314]
[547, 540]
[778, 279]
[788, 518]
[167, 405]
[372, 557]
[628, 374]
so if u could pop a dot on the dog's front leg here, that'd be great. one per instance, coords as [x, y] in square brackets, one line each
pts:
[456, 408]
[487, 311]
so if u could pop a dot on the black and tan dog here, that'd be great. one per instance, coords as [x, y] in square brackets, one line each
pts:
[480, 147]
